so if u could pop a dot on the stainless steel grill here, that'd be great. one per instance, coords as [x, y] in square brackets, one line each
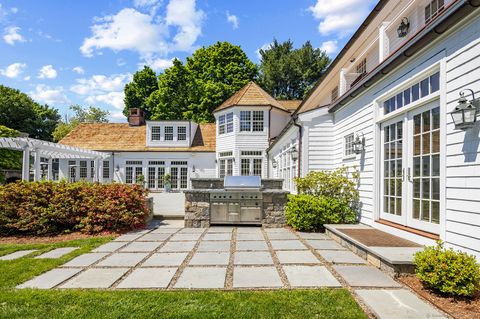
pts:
[240, 202]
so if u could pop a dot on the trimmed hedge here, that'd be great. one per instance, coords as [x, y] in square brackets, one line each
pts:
[40, 208]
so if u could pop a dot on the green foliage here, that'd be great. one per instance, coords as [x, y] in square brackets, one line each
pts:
[18, 111]
[324, 197]
[447, 271]
[9, 159]
[91, 114]
[144, 83]
[48, 207]
[288, 73]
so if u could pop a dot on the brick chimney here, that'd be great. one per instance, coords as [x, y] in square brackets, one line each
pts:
[136, 117]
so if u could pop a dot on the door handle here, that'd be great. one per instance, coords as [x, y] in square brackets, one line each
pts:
[409, 176]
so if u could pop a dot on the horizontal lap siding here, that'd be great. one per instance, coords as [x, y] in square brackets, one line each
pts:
[463, 147]
[320, 143]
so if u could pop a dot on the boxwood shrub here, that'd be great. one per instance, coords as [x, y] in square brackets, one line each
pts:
[447, 271]
[39, 208]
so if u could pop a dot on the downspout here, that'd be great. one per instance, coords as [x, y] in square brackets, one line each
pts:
[300, 135]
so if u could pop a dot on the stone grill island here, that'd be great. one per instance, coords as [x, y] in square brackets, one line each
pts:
[235, 200]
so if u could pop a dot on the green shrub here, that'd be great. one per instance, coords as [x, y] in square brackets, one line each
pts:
[38, 208]
[307, 212]
[447, 271]
[324, 197]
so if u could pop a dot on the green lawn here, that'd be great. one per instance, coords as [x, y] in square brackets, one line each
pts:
[323, 303]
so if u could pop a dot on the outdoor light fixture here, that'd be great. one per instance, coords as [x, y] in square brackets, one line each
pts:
[294, 154]
[359, 144]
[274, 163]
[193, 168]
[117, 168]
[403, 28]
[465, 113]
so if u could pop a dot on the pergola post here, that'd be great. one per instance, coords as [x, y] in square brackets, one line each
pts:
[49, 169]
[26, 164]
[37, 169]
[97, 169]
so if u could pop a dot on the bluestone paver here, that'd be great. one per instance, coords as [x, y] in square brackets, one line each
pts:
[85, 260]
[249, 230]
[276, 230]
[365, 276]
[281, 236]
[141, 246]
[122, 260]
[154, 237]
[202, 278]
[148, 278]
[110, 247]
[287, 245]
[214, 246]
[17, 254]
[297, 257]
[128, 237]
[325, 244]
[252, 245]
[256, 277]
[185, 237]
[220, 229]
[341, 257]
[210, 259]
[192, 231]
[250, 236]
[178, 246]
[96, 278]
[253, 258]
[218, 236]
[165, 259]
[57, 253]
[396, 255]
[164, 230]
[397, 304]
[313, 235]
[310, 276]
[51, 278]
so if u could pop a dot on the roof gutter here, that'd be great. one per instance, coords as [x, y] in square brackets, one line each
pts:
[450, 17]
[300, 137]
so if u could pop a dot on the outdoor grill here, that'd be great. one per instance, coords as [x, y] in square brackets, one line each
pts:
[239, 202]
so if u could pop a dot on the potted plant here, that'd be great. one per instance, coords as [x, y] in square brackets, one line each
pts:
[140, 180]
[167, 182]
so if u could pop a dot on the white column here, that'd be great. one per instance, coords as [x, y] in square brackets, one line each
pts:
[97, 170]
[383, 42]
[36, 173]
[49, 169]
[26, 164]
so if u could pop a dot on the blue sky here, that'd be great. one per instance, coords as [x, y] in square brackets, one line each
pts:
[64, 52]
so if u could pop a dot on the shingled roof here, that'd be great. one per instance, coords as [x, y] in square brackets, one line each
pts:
[251, 95]
[109, 137]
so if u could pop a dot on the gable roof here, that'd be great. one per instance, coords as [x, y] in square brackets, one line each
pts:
[290, 105]
[122, 137]
[251, 95]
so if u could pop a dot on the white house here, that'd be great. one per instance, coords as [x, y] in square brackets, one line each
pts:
[390, 91]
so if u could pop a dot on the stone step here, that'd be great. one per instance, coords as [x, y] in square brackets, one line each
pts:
[385, 251]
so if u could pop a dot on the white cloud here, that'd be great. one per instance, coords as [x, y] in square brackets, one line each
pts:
[78, 70]
[330, 47]
[47, 72]
[340, 16]
[100, 84]
[117, 116]
[158, 64]
[263, 47]
[233, 19]
[114, 99]
[184, 15]
[27, 78]
[49, 95]
[13, 70]
[12, 35]
[4, 12]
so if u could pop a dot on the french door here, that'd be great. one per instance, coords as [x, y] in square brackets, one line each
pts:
[410, 169]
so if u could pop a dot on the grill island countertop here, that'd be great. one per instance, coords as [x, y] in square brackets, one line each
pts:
[235, 200]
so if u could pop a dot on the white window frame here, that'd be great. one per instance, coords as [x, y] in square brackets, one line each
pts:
[251, 121]
[156, 133]
[251, 156]
[168, 134]
[348, 151]
[183, 134]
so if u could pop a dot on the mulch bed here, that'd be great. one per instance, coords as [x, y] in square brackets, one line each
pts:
[461, 308]
[377, 238]
[50, 239]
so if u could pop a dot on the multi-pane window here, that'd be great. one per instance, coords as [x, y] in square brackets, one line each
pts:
[257, 121]
[138, 173]
[72, 171]
[83, 169]
[417, 91]
[245, 167]
[183, 177]
[393, 167]
[251, 166]
[151, 177]
[245, 121]
[181, 133]
[133, 171]
[168, 133]
[257, 167]
[129, 174]
[251, 153]
[426, 166]
[229, 120]
[106, 170]
[226, 167]
[361, 67]
[432, 9]
[156, 133]
[349, 144]
[334, 93]
[55, 168]
[221, 124]
[179, 174]
[92, 170]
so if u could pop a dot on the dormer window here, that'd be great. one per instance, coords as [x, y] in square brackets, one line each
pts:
[225, 123]
[168, 133]
[432, 9]
[251, 121]
[156, 133]
[229, 122]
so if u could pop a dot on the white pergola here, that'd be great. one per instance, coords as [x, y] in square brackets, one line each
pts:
[50, 151]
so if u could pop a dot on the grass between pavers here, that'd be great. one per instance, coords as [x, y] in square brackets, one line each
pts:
[32, 303]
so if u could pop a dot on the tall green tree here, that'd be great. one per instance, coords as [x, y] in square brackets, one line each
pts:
[288, 73]
[144, 83]
[91, 114]
[9, 159]
[19, 112]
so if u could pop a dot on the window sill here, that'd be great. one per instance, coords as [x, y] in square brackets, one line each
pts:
[349, 157]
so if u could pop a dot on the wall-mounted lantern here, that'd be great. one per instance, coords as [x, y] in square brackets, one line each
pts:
[403, 28]
[465, 113]
[294, 154]
[359, 143]
[193, 168]
[274, 163]
[117, 168]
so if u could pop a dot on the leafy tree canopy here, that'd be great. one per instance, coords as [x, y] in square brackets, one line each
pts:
[18, 111]
[144, 83]
[9, 159]
[288, 73]
[91, 114]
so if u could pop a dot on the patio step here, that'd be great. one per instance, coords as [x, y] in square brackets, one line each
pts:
[383, 250]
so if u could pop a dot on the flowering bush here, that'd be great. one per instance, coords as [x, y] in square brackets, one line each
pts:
[49, 207]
